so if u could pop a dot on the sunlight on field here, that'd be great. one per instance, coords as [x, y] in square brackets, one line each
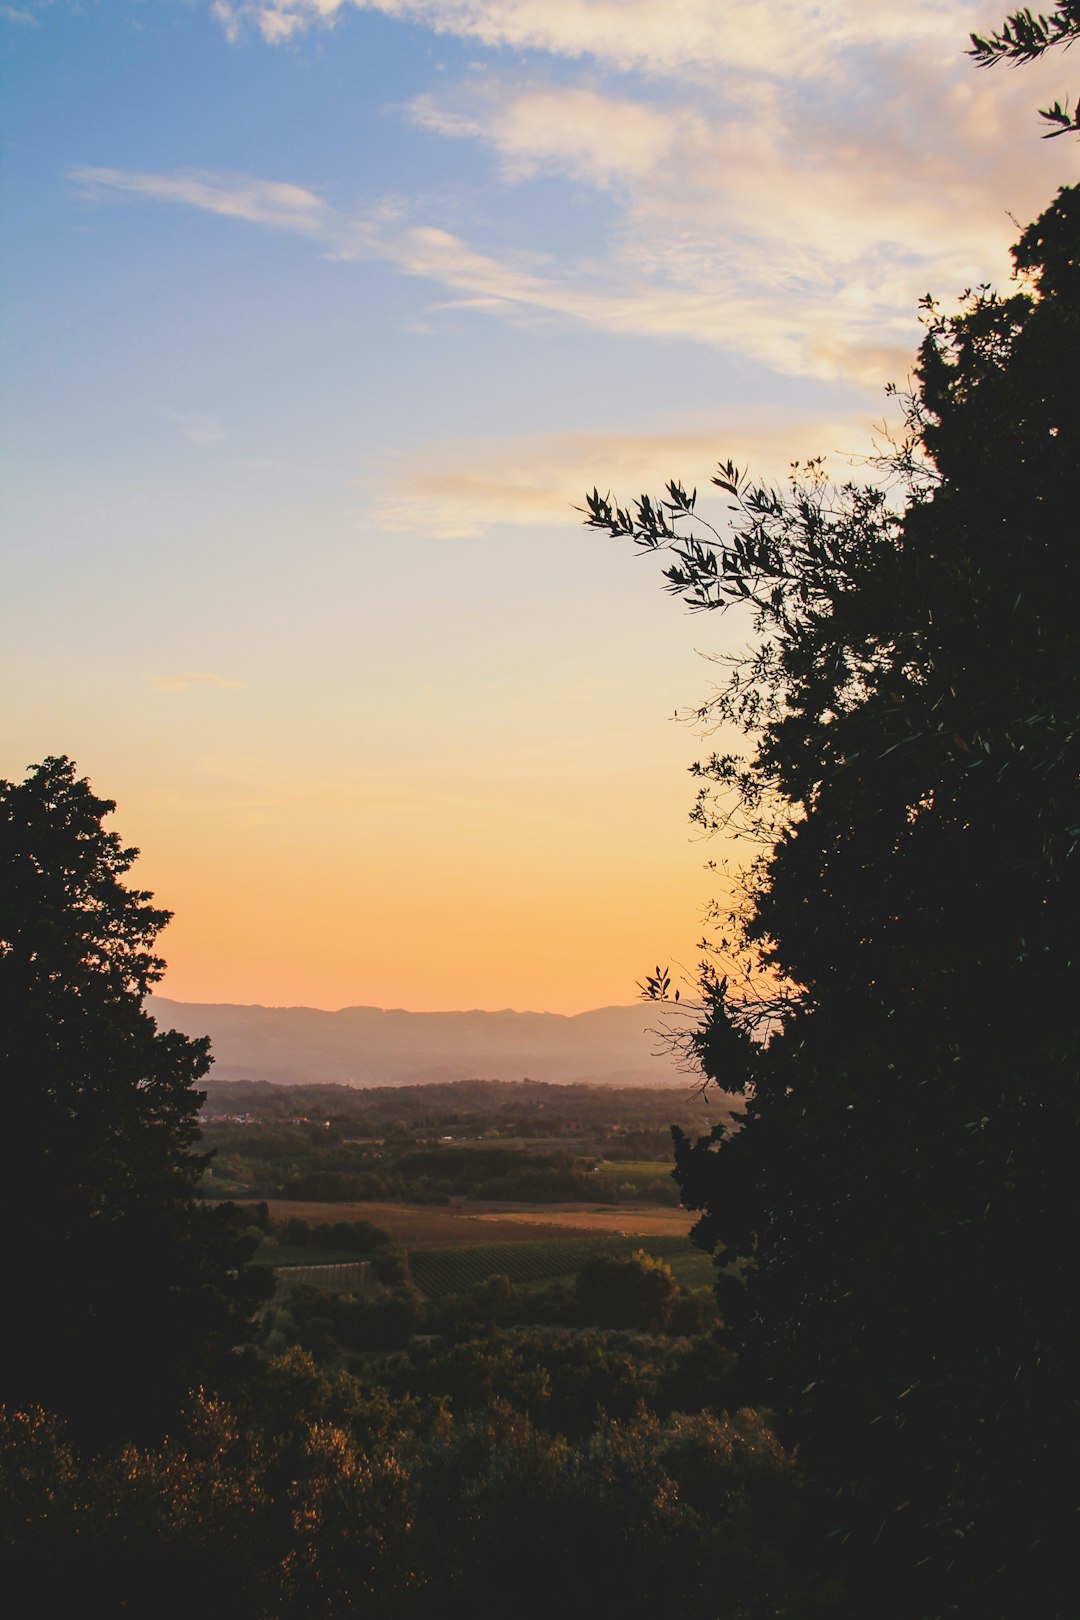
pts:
[431, 1226]
[420, 1225]
[625, 1218]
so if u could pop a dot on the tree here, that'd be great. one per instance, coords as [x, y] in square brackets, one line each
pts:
[122, 1288]
[1024, 37]
[626, 1291]
[902, 1191]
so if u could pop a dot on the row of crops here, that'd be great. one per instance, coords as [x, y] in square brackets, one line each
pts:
[449, 1271]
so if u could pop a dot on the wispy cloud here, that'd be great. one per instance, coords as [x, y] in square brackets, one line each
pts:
[685, 38]
[733, 310]
[182, 683]
[792, 210]
[261, 202]
[466, 488]
[197, 428]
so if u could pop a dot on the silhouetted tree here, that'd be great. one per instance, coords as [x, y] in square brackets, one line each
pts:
[1023, 37]
[121, 1288]
[903, 1189]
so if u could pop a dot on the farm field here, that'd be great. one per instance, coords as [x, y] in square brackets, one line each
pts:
[295, 1255]
[692, 1267]
[451, 1249]
[447, 1225]
[539, 1259]
[450, 1270]
[628, 1219]
[431, 1226]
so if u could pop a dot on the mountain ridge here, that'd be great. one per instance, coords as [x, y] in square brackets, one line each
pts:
[368, 1046]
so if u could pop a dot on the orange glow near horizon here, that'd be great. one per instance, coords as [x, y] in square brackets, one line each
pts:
[467, 919]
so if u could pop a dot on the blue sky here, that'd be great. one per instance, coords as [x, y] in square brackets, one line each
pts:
[318, 318]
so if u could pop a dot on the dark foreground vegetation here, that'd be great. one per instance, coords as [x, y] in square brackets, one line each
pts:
[885, 1422]
[187, 1427]
[314, 1494]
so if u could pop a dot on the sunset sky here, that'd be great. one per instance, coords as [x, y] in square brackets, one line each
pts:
[320, 316]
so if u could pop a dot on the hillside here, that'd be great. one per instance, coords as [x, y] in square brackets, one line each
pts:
[370, 1046]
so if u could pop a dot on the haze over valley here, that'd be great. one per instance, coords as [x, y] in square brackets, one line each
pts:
[373, 1046]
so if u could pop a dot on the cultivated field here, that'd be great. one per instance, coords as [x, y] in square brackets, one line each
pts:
[418, 1226]
[437, 1226]
[449, 1270]
[627, 1219]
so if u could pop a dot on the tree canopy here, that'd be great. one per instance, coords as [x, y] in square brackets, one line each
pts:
[123, 1289]
[903, 1186]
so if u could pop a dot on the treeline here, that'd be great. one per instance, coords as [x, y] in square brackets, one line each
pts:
[503, 1145]
[254, 1162]
[625, 1117]
[361, 1238]
[496, 1450]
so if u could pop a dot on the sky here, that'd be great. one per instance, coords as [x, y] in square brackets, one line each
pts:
[319, 319]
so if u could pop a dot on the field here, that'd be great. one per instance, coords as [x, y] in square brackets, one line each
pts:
[427, 1226]
[294, 1255]
[625, 1220]
[639, 1174]
[449, 1270]
[438, 1226]
[693, 1268]
[450, 1249]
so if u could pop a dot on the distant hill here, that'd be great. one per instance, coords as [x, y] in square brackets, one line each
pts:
[370, 1046]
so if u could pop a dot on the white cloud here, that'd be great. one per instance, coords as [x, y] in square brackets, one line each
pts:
[181, 683]
[568, 130]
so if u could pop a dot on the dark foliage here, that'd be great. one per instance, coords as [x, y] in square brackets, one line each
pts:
[906, 1039]
[1023, 37]
[357, 1237]
[626, 1291]
[122, 1290]
[317, 1497]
